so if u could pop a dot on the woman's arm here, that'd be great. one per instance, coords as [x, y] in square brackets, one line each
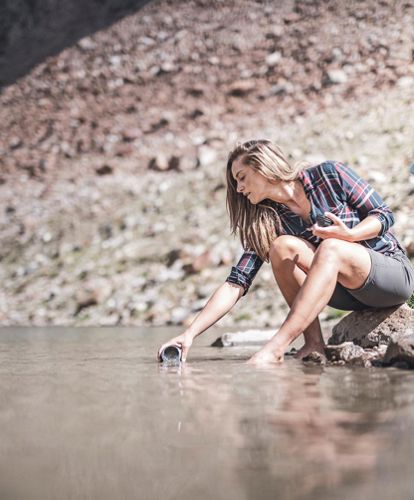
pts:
[363, 197]
[368, 228]
[219, 304]
[376, 217]
[223, 299]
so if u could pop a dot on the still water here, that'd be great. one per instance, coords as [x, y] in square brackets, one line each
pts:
[88, 413]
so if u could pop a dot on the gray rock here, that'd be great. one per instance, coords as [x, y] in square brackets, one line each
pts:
[405, 82]
[206, 156]
[178, 315]
[373, 327]
[400, 351]
[336, 76]
[248, 337]
[273, 58]
[316, 357]
[349, 353]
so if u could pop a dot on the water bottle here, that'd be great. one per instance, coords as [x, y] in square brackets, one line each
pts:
[171, 355]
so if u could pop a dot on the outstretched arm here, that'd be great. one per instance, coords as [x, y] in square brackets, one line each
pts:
[219, 304]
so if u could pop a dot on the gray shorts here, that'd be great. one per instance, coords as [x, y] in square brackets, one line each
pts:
[390, 282]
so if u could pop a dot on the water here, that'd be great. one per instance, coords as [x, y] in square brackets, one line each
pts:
[89, 413]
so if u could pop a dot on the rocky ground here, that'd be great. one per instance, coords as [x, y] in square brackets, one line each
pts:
[112, 153]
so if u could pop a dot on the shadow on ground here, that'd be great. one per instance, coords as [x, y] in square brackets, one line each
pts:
[32, 30]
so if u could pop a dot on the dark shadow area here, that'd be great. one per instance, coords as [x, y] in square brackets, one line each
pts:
[32, 30]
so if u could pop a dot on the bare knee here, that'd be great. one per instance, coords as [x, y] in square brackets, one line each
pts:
[287, 247]
[330, 249]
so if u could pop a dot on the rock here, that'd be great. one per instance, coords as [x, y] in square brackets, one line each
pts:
[104, 170]
[178, 315]
[131, 133]
[241, 88]
[273, 58]
[109, 320]
[87, 44]
[84, 299]
[278, 89]
[92, 293]
[410, 249]
[315, 357]
[105, 231]
[174, 255]
[161, 163]
[248, 337]
[15, 142]
[206, 156]
[401, 350]
[157, 125]
[372, 327]
[195, 91]
[158, 163]
[199, 263]
[336, 76]
[377, 177]
[347, 352]
[205, 290]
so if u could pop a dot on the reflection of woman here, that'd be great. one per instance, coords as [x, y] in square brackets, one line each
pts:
[352, 264]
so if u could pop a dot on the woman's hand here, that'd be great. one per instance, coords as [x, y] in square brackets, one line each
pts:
[337, 230]
[265, 357]
[184, 341]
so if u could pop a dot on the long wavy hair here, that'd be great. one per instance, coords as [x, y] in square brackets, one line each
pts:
[258, 225]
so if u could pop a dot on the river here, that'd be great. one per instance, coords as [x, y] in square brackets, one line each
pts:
[88, 413]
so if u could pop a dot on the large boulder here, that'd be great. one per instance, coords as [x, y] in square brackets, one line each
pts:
[400, 352]
[374, 327]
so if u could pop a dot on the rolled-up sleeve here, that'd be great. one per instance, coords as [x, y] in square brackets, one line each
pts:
[363, 197]
[246, 269]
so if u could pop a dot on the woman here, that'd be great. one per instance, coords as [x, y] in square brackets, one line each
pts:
[276, 208]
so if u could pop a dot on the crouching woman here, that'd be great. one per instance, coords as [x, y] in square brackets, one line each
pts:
[325, 232]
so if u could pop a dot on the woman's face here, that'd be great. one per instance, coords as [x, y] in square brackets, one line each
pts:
[250, 183]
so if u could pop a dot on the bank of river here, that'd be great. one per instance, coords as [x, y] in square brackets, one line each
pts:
[88, 413]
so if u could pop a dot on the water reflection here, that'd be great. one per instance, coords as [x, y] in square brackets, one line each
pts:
[304, 432]
[92, 415]
[306, 444]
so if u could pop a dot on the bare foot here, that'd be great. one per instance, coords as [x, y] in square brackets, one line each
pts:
[306, 349]
[265, 357]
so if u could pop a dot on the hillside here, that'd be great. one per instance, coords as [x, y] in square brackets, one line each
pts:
[113, 152]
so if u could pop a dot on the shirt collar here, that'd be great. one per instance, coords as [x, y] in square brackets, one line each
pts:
[304, 178]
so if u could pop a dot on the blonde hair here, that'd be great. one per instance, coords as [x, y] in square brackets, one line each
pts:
[258, 225]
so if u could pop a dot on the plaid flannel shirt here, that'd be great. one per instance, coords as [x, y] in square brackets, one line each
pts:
[330, 187]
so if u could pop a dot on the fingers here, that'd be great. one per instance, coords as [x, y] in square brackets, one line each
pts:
[177, 341]
[333, 217]
[159, 353]
[182, 341]
[184, 353]
[327, 231]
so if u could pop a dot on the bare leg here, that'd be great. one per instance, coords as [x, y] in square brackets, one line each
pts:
[335, 260]
[291, 259]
